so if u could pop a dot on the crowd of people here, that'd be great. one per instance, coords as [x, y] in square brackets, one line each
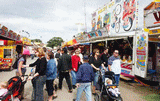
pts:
[78, 70]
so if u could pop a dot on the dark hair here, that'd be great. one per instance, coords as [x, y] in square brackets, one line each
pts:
[65, 50]
[58, 50]
[44, 49]
[19, 49]
[51, 55]
[24, 56]
[106, 48]
[94, 51]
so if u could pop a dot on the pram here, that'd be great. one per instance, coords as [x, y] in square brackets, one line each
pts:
[104, 93]
[15, 88]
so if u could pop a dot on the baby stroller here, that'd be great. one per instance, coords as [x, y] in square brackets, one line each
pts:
[104, 89]
[15, 88]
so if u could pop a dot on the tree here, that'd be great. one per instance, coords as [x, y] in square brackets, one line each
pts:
[36, 40]
[55, 41]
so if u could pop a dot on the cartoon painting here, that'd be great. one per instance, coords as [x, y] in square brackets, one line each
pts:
[99, 22]
[93, 24]
[116, 18]
[129, 11]
[107, 21]
[141, 51]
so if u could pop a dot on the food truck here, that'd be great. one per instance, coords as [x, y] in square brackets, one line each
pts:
[117, 24]
[8, 41]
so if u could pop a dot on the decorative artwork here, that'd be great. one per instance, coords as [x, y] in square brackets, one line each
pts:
[107, 21]
[129, 10]
[93, 24]
[141, 52]
[99, 22]
[116, 18]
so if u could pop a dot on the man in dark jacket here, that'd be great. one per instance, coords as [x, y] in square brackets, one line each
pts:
[85, 76]
[64, 66]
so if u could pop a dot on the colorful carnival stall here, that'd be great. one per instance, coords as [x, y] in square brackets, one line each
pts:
[116, 24]
[8, 43]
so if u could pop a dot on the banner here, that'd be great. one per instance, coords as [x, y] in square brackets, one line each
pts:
[116, 17]
[141, 54]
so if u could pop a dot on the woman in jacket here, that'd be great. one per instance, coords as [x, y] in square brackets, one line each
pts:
[75, 63]
[51, 73]
[39, 78]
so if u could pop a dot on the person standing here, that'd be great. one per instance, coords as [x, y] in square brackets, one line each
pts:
[21, 69]
[64, 66]
[80, 55]
[114, 65]
[85, 76]
[51, 73]
[75, 63]
[39, 78]
[104, 57]
[96, 63]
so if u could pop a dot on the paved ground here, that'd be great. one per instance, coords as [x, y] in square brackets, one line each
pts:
[129, 91]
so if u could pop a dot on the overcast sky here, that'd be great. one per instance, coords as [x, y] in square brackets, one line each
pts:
[45, 19]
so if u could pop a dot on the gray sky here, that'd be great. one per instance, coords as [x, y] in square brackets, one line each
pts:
[45, 19]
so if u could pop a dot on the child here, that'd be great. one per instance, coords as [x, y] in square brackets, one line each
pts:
[3, 88]
[84, 78]
[114, 91]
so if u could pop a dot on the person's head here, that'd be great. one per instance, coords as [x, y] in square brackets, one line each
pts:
[44, 49]
[40, 52]
[109, 81]
[79, 49]
[19, 49]
[58, 50]
[95, 52]
[50, 55]
[106, 50]
[3, 85]
[64, 50]
[85, 58]
[77, 52]
[116, 53]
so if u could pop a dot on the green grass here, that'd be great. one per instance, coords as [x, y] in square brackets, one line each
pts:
[152, 97]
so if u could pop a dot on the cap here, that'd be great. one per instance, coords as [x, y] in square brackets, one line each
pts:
[85, 57]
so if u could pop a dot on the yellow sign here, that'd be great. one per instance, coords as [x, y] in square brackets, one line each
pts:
[156, 31]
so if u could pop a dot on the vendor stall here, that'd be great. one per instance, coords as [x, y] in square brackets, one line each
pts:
[7, 48]
[116, 24]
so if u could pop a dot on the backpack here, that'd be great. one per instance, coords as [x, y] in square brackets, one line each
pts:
[15, 65]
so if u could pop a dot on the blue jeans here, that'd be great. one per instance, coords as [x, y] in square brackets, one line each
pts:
[38, 84]
[86, 87]
[73, 73]
[103, 73]
[117, 77]
[96, 75]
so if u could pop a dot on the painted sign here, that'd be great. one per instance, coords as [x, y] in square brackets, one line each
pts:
[152, 15]
[141, 53]
[4, 31]
[116, 17]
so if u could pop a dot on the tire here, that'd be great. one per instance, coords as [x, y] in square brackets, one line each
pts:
[131, 23]
[96, 97]
[118, 9]
[117, 27]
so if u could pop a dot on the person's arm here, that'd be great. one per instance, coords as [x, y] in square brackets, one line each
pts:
[20, 67]
[92, 74]
[70, 63]
[109, 64]
[59, 64]
[103, 67]
[109, 68]
[33, 64]
[95, 67]
[79, 75]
